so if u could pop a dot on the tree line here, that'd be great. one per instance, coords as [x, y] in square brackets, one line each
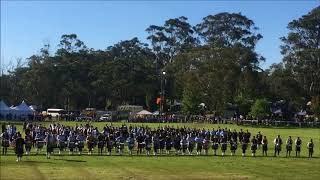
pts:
[213, 63]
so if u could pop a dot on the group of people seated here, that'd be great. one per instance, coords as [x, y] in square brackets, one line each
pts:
[164, 140]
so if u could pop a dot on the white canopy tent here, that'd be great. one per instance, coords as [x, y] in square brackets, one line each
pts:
[4, 109]
[144, 113]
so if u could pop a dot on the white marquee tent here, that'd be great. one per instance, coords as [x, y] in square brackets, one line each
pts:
[144, 112]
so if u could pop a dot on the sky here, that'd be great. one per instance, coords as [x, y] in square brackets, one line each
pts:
[27, 26]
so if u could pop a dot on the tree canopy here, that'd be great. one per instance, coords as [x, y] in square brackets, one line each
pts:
[213, 62]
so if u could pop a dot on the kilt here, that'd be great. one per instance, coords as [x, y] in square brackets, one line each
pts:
[71, 145]
[28, 144]
[177, 146]
[62, 144]
[140, 145]
[90, 145]
[184, 146]
[80, 144]
[215, 146]
[131, 146]
[199, 146]
[298, 148]
[100, 144]
[39, 144]
[168, 146]
[49, 147]
[233, 147]
[120, 145]
[244, 146]
[19, 151]
[148, 146]
[289, 147]
[223, 146]
[162, 144]
[156, 146]
[5, 143]
[310, 150]
[265, 147]
[206, 146]
[191, 146]
[253, 147]
[277, 147]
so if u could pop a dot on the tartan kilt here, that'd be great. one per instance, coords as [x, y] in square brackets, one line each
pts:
[71, 145]
[289, 147]
[223, 146]
[5, 143]
[215, 146]
[265, 147]
[233, 147]
[28, 144]
[100, 144]
[253, 147]
[39, 144]
[148, 147]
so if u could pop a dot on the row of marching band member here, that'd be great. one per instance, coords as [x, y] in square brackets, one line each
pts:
[161, 140]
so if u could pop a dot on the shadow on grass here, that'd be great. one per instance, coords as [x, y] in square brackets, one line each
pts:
[70, 160]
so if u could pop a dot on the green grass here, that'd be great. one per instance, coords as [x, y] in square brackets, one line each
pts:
[173, 167]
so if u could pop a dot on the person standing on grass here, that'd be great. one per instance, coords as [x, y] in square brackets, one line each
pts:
[80, 139]
[184, 144]
[244, 146]
[191, 143]
[62, 139]
[140, 141]
[90, 143]
[71, 142]
[50, 143]
[176, 143]
[277, 145]
[215, 144]
[101, 143]
[130, 142]
[162, 142]
[199, 141]
[298, 143]
[289, 146]
[206, 144]
[223, 142]
[254, 145]
[19, 142]
[264, 146]
[28, 141]
[233, 146]
[148, 143]
[5, 142]
[259, 139]
[310, 147]
[168, 144]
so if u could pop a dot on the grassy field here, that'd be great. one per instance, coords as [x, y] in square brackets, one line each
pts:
[172, 167]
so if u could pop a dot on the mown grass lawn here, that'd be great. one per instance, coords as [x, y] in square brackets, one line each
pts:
[172, 167]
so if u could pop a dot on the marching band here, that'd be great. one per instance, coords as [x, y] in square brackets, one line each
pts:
[156, 141]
